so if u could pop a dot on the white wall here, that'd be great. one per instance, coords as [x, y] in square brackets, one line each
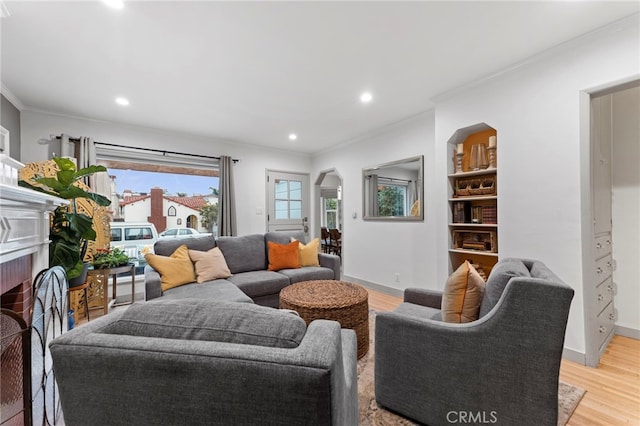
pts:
[626, 206]
[536, 111]
[138, 211]
[373, 251]
[249, 172]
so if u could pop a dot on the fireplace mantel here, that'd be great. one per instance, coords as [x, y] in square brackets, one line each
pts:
[24, 236]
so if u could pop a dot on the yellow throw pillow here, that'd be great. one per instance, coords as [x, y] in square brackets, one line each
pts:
[462, 295]
[308, 253]
[283, 256]
[175, 270]
[210, 265]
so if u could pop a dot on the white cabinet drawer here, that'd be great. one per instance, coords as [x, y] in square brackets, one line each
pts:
[602, 246]
[603, 268]
[605, 324]
[604, 294]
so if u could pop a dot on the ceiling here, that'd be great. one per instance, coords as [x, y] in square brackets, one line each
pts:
[254, 72]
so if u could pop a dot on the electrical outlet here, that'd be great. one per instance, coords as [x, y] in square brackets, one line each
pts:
[397, 277]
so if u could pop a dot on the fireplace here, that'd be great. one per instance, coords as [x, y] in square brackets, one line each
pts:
[24, 252]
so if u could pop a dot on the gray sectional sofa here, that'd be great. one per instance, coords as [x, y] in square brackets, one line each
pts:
[201, 362]
[247, 258]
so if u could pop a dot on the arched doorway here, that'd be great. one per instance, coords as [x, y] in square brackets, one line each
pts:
[192, 221]
[328, 206]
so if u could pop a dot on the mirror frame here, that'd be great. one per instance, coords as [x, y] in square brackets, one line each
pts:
[367, 171]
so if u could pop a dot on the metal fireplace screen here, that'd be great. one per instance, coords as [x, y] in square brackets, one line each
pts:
[49, 320]
[15, 394]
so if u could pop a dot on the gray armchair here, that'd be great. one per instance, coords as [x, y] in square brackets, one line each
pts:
[502, 368]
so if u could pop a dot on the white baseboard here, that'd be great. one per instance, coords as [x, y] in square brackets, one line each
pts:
[632, 333]
[396, 292]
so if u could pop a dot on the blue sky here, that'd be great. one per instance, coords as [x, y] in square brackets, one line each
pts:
[138, 181]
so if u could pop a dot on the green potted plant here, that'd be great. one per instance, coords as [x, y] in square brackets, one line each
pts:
[110, 258]
[70, 230]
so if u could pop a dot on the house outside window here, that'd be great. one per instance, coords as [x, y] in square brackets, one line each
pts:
[171, 211]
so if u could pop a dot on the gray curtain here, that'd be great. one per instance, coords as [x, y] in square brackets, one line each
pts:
[87, 157]
[226, 199]
[373, 195]
[83, 152]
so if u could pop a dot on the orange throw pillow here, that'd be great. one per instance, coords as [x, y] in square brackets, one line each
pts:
[283, 256]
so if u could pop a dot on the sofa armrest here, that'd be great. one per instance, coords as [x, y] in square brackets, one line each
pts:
[424, 297]
[330, 261]
[152, 283]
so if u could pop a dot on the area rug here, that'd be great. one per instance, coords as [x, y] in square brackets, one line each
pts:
[371, 414]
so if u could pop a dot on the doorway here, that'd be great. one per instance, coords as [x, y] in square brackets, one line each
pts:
[287, 201]
[328, 196]
[611, 224]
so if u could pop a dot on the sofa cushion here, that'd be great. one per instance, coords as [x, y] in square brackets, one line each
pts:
[259, 283]
[174, 270]
[284, 237]
[462, 295]
[219, 290]
[308, 253]
[209, 265]
[245, 253]
[283, 256]
[308, 273]
[424, 312]
[165, 247]
[193, 319]
[500, 275]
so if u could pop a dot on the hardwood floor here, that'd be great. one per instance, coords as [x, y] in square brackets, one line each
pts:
[613, 388]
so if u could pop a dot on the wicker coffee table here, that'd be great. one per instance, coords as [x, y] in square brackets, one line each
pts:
[340, 301]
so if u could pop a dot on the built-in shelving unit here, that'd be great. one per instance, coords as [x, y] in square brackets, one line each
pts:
[473, 197]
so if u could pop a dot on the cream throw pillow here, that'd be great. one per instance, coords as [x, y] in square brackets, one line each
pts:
[462, 295]
[210, 265]
[308, 253]
[175, 270]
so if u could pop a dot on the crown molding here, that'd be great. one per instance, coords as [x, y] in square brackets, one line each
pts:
[11, 97]
[631, 21]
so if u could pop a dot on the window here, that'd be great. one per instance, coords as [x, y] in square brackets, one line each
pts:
[170, 232]
[392, 199]
[116, 234]
[330, 213]
[138, 233]
[184, 232]
[288, 199]
[171, 211]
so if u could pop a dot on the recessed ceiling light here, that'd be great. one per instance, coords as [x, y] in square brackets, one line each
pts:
[122, 101]
[366, 97]
[293, 136]
[116, 4]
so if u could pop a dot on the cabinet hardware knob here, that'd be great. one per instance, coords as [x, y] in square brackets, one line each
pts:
[600, 297]
[598, 246]
[608, 242]
[602, 329]
[609, 288]
[598, 270]
[612, 317]
[609, 264]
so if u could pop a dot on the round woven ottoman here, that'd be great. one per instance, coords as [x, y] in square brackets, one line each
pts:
[340, 301]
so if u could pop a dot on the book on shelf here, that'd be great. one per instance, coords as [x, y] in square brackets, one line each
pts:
[490, 214]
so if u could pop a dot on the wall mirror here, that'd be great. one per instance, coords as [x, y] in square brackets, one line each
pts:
[394, 190]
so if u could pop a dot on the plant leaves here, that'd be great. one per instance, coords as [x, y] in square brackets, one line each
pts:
[65, 164]
[89, 171]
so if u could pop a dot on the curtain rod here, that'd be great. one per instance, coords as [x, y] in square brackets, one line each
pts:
[161, 151]
[392, 179]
